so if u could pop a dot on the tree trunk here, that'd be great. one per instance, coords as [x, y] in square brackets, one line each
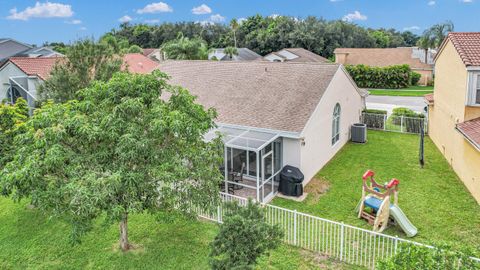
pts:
[426, 56]
[235, 39]
[124, 245]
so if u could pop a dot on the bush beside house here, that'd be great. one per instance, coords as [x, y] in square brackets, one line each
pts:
[391, 77]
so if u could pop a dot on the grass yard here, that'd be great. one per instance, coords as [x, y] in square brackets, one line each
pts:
[412, 91]
[433, 198]
[29, 240]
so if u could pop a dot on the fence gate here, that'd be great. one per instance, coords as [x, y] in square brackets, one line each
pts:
[395, 123]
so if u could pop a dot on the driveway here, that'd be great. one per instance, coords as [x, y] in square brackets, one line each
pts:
[388, 103]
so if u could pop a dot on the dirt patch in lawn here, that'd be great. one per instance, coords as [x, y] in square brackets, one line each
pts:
[316, 188]
[321, 261]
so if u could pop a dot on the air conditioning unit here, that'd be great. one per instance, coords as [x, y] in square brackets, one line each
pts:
[359, 133]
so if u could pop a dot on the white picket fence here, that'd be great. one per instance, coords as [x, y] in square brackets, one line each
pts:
[337, 240]
[401, 124]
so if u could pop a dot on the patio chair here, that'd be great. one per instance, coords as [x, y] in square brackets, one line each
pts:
[238, 176]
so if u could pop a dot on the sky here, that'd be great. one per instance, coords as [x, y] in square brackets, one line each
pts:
[36, 22]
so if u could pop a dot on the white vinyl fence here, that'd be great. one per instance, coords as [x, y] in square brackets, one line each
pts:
[395, 123]
[337, 240]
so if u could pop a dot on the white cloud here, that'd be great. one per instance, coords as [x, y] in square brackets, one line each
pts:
[241, 20]
[152, 21]
[335, 1]
[202, 9]
[411, 28]
[431, 3]
[159, 7]
[217, 18]
[74, 22]
[466, 1]
[83, 28]
[42, 10]
[355, 16]
[274, 16]
[125, 19]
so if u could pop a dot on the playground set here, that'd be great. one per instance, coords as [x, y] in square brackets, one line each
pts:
[376, 207]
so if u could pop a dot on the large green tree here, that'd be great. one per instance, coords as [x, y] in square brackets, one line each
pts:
[184, 48]
[120, 149]
[84, 62]
[12, 118]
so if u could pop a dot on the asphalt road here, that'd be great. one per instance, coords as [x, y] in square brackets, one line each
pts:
[388, 103]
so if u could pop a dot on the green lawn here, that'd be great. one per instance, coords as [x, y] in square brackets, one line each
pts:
[29, 240]
[412, 91]
[433, 198]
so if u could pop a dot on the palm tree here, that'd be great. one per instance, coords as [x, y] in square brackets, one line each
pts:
[184, 48]
[234, 26]
[230, 51]
[434, 36]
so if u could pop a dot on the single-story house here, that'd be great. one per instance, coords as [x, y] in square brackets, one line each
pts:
[454, 107]
[21, 76]
[273, 114]
[383, 57]
[300, 55]
[243, 54]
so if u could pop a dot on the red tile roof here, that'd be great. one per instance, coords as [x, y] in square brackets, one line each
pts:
[40, 67]
[138, 63]
[471, 131]
[429, 98]
[467, 45]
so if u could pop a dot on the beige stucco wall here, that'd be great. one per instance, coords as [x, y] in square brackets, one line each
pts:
[318, 149]
[427, 75]
[448, 110]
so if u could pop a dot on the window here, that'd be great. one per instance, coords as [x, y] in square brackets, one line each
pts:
[336, 124]
[477, 90]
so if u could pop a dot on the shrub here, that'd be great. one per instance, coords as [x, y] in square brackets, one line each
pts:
[392, 77]
[415, 77]
[375, 111]
[244, 236]
[416, 257]
[401, 111]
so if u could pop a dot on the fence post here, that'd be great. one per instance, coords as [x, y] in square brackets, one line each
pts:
[342, 237]
[396, 243]
[384, 122]
[219, 213]
[401, 123]
[294, 227]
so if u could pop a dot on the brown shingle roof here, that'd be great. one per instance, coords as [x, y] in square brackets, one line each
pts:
[471, 131]
[467, 45]
[40, 67]
[148, 51]
[382, 57]
[279, 96]
[306, 56]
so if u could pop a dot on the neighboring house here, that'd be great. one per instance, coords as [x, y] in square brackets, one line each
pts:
[243, 54]
[138, 63]
[21, 76]
[154, 54]
[39, 52]
[454, 108]
[383, 57]
[295, 55]
[10, 47]
[273, 114]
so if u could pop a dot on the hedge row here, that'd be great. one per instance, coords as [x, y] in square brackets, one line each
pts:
[392, 77]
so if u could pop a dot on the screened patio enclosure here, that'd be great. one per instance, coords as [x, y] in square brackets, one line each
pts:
[252, 161]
